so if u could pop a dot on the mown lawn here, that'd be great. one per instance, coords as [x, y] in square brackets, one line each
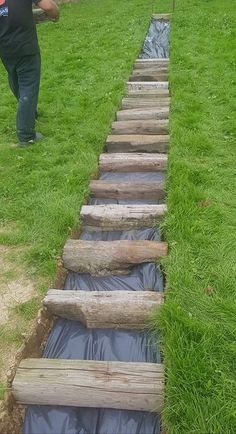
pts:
[198, 321]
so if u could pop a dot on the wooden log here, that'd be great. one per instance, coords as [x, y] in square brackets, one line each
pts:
[142, 85]
[143, 127]
[149, 93]
[109, 257]
[127, 190]
[129, 310]
[137, 143]
[130, 103]
[148, 76]
[152, 63]
[132, 162]
[121, 217]
[89, 383]
[143, 113]
[162, 17]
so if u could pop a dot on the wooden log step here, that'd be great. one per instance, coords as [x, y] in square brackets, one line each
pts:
[132, 103]
[162, 17]
[149, 93]
[132, 162]
[137, 143]
[142, 85]
[127, 190]
[121, 217]
[89, 383]
[143, 114]
[146, 126]
[151, 63]
[145, 75]
[129, 310]
[109, 257]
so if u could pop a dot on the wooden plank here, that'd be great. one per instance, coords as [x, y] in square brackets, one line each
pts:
[149, 93]
[121, 217]
[127, 190]
[89, 383]
[110, 257]
[132, 162]
[142, 85]
[161, 17]
[130, 103]
[137, 143]
[129, 310]
[152, 63]
[144, 75]
[143, 113]
[143, 127]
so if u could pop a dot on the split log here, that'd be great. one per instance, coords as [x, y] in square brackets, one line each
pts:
[127, 190]
[130, 103]
[121, 217]
[142, 85]
[138, 143]
[129, 310]
[89, 383]
[132, 162]
[143, 113]
[109, 257]
[149, 93]
[148, 126]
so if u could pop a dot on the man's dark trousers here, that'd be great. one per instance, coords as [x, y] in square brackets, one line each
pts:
[24, 80]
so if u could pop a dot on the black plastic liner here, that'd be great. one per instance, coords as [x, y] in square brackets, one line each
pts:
[156, 44]
[71, 340]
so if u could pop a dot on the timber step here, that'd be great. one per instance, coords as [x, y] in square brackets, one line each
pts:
[137, 143]
[121, 217]
[142, 85]
[153, 63]
[143, 114]
[149, 93]
[129, 310]
[89, 383]
[127, 190]
[132, 103]
[136, 162]
[108, 257]
[146, 126]
[145, 75]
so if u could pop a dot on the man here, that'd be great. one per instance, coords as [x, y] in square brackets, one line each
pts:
[20, 54]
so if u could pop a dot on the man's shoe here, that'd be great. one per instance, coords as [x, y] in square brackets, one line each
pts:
[38, 138]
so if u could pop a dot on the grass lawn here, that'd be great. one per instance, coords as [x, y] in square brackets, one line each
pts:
[198, 321]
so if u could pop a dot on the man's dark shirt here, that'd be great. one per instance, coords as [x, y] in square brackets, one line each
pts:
[18, 35]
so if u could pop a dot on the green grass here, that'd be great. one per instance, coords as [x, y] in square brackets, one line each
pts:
[198, 321]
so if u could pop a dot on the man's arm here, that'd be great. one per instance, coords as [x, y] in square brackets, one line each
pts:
[50, 7]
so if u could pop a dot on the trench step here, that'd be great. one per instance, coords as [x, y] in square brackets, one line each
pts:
[127, 190]
[121, 217]
[88, 383]
[129, 162]
[142, 85]
[129, 310]
[143, 114]
[137, 143]
[149, 93]
[109, 257]
[148, 75]
[152, 63]
[143, 127]
[132, 103]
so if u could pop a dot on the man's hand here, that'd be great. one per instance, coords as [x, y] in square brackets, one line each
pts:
[50, 7]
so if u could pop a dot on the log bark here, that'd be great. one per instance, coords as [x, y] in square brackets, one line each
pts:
[88, 383]
[143, 127]
[136, 162]
[129, 310]
[137, 143]
[127, 190]
[108, 257]
[131, 103]
[143, 113]
[121, 217]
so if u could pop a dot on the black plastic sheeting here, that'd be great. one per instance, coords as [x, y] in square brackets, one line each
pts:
[71, 340]
[156, 44]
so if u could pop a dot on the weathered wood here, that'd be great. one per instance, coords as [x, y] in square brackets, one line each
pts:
[121, 217]
[147, 126]
[145, 75]
[137, 143]
[161, 17]
[127, 190]
[142, 85]
[128, 310]
[152, 63]
[136, 162]
[149, 93]
[89, 383]
[130, 103]
[109, 257]
[143, 113]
